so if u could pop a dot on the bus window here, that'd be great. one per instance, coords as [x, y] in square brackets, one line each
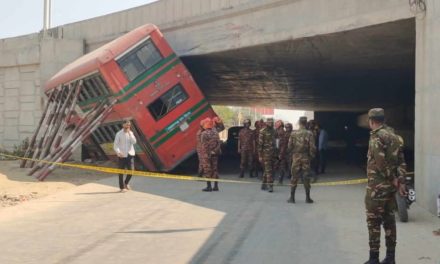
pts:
[140, 59]
[167, 102]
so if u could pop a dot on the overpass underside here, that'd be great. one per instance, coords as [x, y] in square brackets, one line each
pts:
[344, 71]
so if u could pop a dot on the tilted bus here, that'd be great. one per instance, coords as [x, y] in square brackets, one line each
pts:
[153, 88]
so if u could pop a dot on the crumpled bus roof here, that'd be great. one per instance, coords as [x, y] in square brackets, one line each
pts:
[91, 62]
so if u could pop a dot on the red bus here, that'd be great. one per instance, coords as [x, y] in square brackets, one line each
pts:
[153, 88]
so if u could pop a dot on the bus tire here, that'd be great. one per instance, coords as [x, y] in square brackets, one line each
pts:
[402, 208]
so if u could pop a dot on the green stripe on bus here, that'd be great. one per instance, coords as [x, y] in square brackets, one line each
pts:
[150, 81]
[163, 131]
[136, 81]
[174, 131]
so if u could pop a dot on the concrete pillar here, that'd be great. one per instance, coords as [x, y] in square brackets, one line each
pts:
[427, 122]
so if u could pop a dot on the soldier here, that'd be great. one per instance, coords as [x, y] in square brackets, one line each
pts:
[280, 138]
[218, 124]
[199, 148]
[302, 148]
[257, 165]
[246, 148]
[383, 165]
[210, 142]
[266, 150]
[285, 158]
[313, 127]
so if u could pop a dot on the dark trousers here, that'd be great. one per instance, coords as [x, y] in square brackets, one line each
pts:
[125, 164]
[322, 160]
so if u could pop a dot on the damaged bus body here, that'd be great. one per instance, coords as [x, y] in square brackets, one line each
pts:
[153, 89]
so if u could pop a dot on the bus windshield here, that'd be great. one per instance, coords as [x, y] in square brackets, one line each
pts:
[139, 60]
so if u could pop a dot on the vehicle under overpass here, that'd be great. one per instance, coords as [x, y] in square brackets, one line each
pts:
[337, 58]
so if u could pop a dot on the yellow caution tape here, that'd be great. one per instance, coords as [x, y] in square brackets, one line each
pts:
[170, 176]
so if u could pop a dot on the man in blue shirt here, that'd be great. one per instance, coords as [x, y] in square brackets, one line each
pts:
[322, 148]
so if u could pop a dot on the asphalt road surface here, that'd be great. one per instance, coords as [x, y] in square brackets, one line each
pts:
[168, 221]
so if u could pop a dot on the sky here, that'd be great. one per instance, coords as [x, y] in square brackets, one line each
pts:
[21, 17]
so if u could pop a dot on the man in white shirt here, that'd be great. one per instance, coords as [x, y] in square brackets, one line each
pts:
[124, 148]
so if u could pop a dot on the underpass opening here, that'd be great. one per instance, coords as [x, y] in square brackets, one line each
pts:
[339, 76]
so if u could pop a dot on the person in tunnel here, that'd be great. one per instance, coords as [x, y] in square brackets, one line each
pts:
[257, 165]
[210, 142]
[383, 165]
[302, 148]
[266, 152]
[246, 148]
[322, 149]
[313, 127]
[284, 151]
[199, 148]
[280, 143]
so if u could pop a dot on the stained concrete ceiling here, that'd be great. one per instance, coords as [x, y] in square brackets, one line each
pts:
[344, 71]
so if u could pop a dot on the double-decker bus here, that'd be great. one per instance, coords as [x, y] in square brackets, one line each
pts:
[153, 88]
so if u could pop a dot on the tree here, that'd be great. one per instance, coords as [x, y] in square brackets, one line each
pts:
[228, 116]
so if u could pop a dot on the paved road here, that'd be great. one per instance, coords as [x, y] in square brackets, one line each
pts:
[164, 221]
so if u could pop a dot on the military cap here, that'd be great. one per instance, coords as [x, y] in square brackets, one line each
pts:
[269, 119]
[303, 119]
[376, 112]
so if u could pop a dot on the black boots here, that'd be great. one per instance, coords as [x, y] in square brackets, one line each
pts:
[374, 258]
[292, 195]
[208, 187]
[263, 186]
[270, 187]
[215, 189]
[281, 178]
[390, 257]
[241, 173]
[308, 199]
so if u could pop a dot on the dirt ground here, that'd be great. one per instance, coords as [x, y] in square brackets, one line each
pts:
[16, 187]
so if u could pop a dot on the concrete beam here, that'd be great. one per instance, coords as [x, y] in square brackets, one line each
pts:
[427, 125]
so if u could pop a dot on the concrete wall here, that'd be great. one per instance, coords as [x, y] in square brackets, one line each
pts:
[20, 96]
[427, 127]
[26, 64]
[204, 26]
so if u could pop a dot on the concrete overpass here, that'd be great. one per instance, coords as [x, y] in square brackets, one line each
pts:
[309, 54]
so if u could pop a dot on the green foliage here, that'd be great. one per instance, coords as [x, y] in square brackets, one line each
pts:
[234, 116]
[228, 115]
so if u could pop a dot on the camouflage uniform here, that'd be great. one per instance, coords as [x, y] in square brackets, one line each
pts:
[382, 167]
[257, 165]
[281, 144]
[266, 151]
[246, 140]
[199, 151]
[210, 142]
[302, 148]
[285, 157]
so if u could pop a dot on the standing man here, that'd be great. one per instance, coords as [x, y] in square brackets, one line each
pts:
[383, 179]
[199, 148]
[257, 165]
[280, 137]
[124, 148]
[266, 151]
[210, 141]
[322, 148]
[285, 157]
[302, 148]
[246, 148]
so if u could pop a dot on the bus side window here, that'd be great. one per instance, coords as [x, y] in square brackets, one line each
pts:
[167, 102]
[139, 60]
